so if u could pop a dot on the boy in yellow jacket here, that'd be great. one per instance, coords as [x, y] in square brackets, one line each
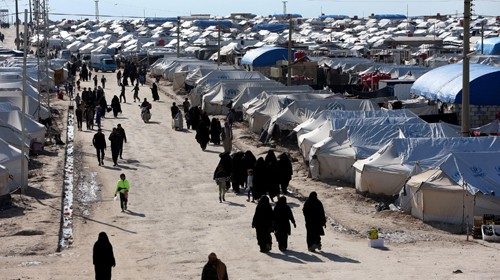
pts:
[123, 187]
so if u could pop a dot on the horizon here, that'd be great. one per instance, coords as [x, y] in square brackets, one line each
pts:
[80, 9]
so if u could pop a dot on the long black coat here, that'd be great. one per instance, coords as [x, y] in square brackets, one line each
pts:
[263, 222]
[238, 171]
[285, 169]
[99, 141]
[259, 178]
[224, 167]
[249, 160]
[272, 182]
[202, 134]
[103, 257]
[314, 214]
[282, 217]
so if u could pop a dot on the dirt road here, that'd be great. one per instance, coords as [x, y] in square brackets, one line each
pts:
[176, 220]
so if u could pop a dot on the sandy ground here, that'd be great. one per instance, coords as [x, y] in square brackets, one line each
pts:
[175, 220]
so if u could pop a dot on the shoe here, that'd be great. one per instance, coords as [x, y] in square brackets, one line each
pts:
[311, 249]
[99, 164]
[123, 210]
[102, 162]
[248, 200]
[114, 164]
[223, 199]
[121, 157]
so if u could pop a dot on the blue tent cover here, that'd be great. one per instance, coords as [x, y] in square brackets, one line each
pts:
[445, 84]
[491, 46]
[264, 56]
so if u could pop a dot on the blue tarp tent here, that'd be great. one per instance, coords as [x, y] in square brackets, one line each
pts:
[158, 20]
[207, 23]
[265, 56]
[323, 17]
[389, 16]
[445, 84]
[272, 27]
[491, 46]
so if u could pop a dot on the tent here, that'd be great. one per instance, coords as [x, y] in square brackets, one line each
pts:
[264, 56]
[387, 171]
[4, 181]
[13, 118]
[215, 99]
[463, 186]
[337, 153]
[445, 84]
[307, 139]
[301, 110]
[252, 92]
[10, 158]
[261, 114]
[327, 115]
[490, 46]
[33, 108]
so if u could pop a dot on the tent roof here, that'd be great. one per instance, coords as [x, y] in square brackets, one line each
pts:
[491, 46]
[445, 84]
[264, 56]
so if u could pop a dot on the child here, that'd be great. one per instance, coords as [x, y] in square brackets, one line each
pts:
[250, 184]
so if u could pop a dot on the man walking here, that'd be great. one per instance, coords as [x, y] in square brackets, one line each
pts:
[123, 138]
[103, 82]
[122, 94]
[114, 139]
[119, 77]
[99, 142]
[123, 187]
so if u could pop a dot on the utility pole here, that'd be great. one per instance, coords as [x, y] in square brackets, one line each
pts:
[36, 10]
[17, 25]
[218, 45]
[23, 111]
[31, 13]
[97, 10]
[178, 36]
[465, 65]
[289, 66]
[482, 36]
[284, 7]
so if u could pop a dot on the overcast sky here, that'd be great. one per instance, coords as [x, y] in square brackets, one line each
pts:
[307, 8]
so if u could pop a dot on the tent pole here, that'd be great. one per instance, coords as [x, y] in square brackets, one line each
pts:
[465, 74]
[23, 121]
[289, 68]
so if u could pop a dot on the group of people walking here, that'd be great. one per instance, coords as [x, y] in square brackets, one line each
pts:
[117, 138]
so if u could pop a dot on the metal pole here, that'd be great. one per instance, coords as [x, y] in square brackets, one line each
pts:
[178, 36]
[218, 46]
[465, 64]
[25, 88]
[37, 27]
[97, 11]
[31, 12]
[482, 37]
[45, 16]
[289, 66]
[17, 25]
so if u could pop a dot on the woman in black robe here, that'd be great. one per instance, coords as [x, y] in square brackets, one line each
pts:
[154, 92]
[263, 224]
[238, 172]
[202, 135]
[104, 105]
[314, 215]
[282, 215]
[259, 179]
[215, 130]
[285, 172]
[103, 257]
[115, 105]
[249, 160]
[272, 182]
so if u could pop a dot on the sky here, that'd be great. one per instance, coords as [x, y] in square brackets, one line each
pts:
[307, 8]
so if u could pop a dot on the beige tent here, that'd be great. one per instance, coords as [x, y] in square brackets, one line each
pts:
[434, 196]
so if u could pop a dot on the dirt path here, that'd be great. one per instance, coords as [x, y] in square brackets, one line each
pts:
[176, 221]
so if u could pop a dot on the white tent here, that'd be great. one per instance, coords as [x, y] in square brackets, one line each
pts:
[463, 186]
[261, 113]
[307, 140]
[337, 153]
[327, 115]
[34, 130]
[301, 110]
[387, 171]
[215, 100]
[10, 158]
[252, 92]
[33, 108]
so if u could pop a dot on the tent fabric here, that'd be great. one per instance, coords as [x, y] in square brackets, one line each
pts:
[251, 92]
[307, 140]
[491, 46]
[260, 114]
[215, 100]
[445, 84]
[32, 106]
[386, 171]
[492, 128]
[327, 115]
[447, 193]
[337, 153]
[14, 118]
[264, 56]
[301, 110]
[10, 158]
